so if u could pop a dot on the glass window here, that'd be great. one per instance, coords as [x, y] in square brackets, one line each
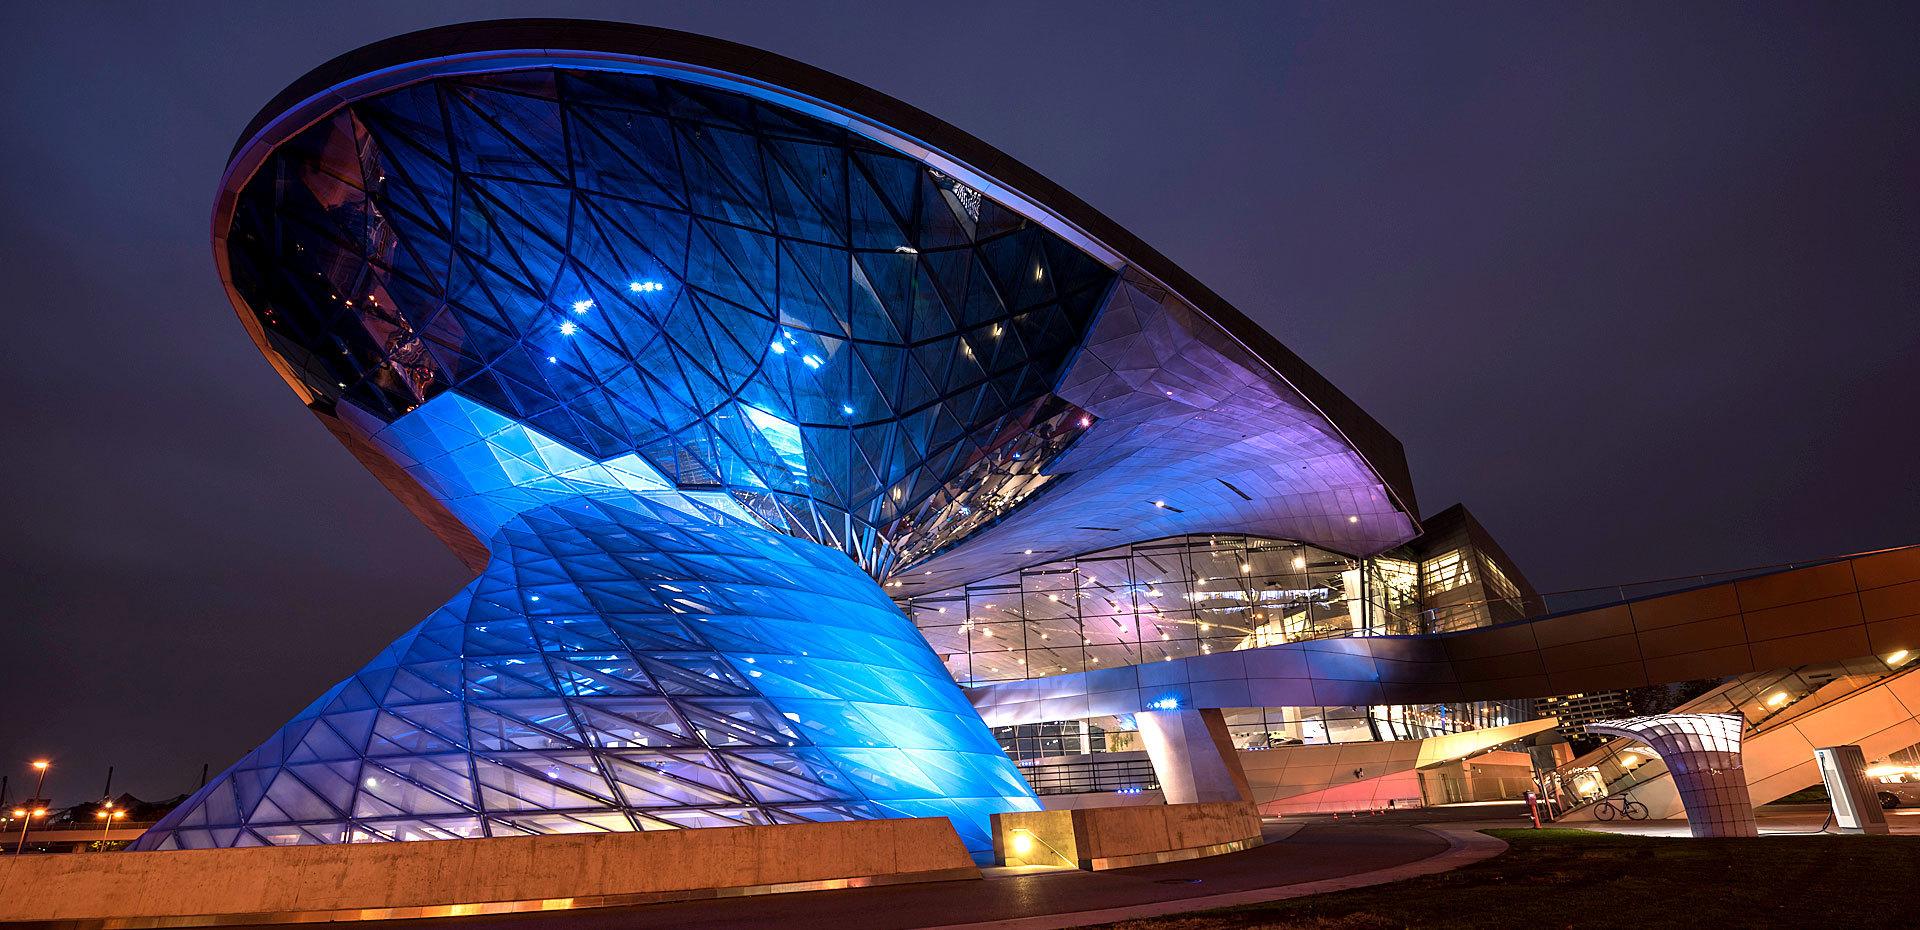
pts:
[1444, 573]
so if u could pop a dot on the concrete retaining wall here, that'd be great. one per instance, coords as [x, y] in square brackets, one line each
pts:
[445, 877]
[1120, 837]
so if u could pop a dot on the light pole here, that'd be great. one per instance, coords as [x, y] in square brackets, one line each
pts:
[42, 765]
[108, 814]
[26, 820]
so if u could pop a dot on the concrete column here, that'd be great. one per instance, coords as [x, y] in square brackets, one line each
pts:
[1192, 755]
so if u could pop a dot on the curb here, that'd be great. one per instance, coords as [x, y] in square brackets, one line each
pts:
[1464, 847]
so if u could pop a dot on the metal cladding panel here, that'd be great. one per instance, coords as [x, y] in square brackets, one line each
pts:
[1703, 753]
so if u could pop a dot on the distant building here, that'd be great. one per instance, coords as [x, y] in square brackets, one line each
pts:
[1577, 710]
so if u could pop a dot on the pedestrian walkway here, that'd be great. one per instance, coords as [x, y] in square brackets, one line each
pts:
[1774, 820]
[1297, 859]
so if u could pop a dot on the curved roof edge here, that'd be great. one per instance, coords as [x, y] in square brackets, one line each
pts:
[506, 44]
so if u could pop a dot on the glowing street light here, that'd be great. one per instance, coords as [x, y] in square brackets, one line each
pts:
[108, 814]
[26, 820]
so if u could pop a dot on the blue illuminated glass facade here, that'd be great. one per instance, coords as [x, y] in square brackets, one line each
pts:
[697, 369]
[858, 349]
[687, 350]
[624, 665]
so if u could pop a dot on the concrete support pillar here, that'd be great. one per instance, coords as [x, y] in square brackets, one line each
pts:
[1193, 756]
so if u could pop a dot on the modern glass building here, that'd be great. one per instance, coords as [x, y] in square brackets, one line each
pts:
[1195, 595]
[1200, 595]
[768, 411]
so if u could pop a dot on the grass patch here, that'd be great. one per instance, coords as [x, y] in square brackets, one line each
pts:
[1581, 878]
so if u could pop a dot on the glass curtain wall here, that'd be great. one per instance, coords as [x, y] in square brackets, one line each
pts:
[1267, 727]
[1270, 727]
[1162, 600]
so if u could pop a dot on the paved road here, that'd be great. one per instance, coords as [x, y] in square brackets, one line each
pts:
[1504, 813]
[1313, 852]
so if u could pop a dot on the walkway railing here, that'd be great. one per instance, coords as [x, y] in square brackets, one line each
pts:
[1093, 775]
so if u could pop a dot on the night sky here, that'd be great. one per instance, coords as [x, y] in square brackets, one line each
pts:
[1638, 283]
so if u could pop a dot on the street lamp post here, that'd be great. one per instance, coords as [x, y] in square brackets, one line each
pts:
[26, 820]
[108, 814]
[42, 765]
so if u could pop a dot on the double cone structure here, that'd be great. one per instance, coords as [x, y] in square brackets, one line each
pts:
[688, 350]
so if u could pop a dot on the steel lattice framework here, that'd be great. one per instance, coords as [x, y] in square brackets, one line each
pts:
[752, 301]
[623, 665]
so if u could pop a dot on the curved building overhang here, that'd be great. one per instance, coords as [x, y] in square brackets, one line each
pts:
[500, 46]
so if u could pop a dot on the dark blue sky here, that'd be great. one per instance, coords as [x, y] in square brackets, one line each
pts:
[1637, 282]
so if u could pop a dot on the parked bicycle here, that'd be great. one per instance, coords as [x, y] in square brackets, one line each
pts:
[1621, 806]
